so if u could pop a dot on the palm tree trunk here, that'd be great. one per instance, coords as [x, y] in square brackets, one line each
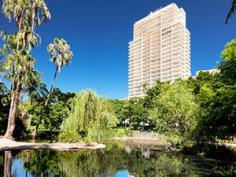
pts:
[52, 86]
[19, 22]
[12, 112]
[15, 95]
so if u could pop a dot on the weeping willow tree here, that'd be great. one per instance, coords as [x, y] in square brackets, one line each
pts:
[90, 117]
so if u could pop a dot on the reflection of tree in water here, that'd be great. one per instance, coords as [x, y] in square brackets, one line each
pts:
[41, 163]
[1, 163]
[159, 164]
[5, 163]
[79, 164]
[107, 162]
[91, 163]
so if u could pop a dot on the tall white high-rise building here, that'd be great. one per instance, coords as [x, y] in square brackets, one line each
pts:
[160, 49]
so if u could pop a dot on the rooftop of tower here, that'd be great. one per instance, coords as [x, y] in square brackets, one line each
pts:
[157, 12]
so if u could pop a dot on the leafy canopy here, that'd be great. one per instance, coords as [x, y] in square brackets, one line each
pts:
[175, 112]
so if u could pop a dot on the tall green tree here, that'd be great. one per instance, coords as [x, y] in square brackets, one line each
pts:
[216, 94]
[224, 107]
[175, 112]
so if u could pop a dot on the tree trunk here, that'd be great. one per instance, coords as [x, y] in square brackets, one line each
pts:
[52, 86]
[7, 163]
[15, 94]
[19, 22]
[33, 11]
[34, 134]
[12, 112]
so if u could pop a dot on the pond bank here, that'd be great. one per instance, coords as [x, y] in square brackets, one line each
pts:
[146, 141]
[6, 144]
[147, 138]
[152, 138]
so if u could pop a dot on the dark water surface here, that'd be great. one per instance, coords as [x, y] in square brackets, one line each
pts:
[116, 160]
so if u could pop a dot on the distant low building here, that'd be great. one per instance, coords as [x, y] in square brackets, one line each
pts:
[211, 71]
[124, 99]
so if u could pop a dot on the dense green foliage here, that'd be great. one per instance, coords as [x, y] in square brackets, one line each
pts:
[175, 112]
[4, 107]
[47, 118]
[132, 113]
[219, 120]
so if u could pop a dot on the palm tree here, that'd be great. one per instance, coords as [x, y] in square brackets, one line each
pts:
[231, 11]
[28, 12]
[40, 13]
[60, 55]
[18, 62]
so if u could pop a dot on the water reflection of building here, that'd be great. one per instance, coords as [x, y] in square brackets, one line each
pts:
[146, 153]
[128, 149]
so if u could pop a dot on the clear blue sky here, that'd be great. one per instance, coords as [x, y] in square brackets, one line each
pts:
[99, 31]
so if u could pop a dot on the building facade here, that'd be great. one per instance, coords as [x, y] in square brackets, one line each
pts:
[159, 51]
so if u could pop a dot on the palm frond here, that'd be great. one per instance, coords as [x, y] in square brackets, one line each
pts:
[231, 11]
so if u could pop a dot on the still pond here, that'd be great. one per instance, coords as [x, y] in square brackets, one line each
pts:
[116, 160]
